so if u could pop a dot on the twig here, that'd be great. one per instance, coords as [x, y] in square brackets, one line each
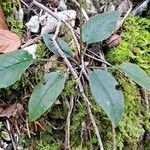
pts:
[120, 22]
[57, 30]
[100, 60]
[82, 9]
[72, 70]
[31, 41]
[113, 136]
[67, 137]
[145, 98]
[92, 53]
[140, 8]
[81, 91]
[24, 3]
[28, 130]
[59, 19]
[10, 134]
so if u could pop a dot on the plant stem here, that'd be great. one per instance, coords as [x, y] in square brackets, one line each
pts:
[81, 22]
[59, 19]
[81, 89]
[73, 71]
[113, 136]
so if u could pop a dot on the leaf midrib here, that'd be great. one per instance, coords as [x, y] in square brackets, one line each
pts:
[133, 76]
[107, 96]
[47, 90]
[15, 64]
[103, 21]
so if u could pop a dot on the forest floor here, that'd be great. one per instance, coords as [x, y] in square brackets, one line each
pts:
[67, 124]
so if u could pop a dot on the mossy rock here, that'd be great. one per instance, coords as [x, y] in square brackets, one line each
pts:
[135, 44]
[134, 48]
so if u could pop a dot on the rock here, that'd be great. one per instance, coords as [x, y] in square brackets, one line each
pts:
[48, 23]
[34, 24]
[19, 148]
[31, 50]
[90, 8]
[68, 15]
[62, 5]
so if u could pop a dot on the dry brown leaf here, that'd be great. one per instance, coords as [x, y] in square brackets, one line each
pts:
[113, 41]
[30, 147]
[2, 20]
[8, 41]
[12, 110]
[51, 63]
[1, 109]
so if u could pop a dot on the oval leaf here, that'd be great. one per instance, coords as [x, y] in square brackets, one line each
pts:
[99, 27]
[8, 41]
[12, 66]
[64, 46]
[45, 94]
[136, 74]
[103, 88]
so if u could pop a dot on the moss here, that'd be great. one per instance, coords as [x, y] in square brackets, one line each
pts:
[78, 117]
[15, 25]
[69, 88]
[42, 145]
[131, 127]
[121, 54]
[134, 48]
[135, 44]
[9, 7]
[41, 50]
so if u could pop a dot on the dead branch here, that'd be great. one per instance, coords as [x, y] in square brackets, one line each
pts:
[59, 19]
[67, 134]
[72, 70]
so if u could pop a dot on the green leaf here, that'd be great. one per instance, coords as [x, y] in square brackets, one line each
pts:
[99, 27]
[64, 46]
[45, 94]
[136, 74]
[103, 88]
[12, 66]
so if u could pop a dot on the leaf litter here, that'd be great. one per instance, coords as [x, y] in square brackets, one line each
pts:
[8, 41]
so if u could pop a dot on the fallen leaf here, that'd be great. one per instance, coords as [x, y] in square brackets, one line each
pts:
[12, 110]
[124, 7]
[1, 109]
[2, 20]
[30, 147]
[8, 41]
[32, 50]
[113, 41]
[51, 63]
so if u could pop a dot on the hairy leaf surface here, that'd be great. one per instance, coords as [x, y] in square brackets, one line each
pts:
[64, 46]
[103, 88]
[12, 66]
[136, 74]
[45, 94]
[99, 27]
